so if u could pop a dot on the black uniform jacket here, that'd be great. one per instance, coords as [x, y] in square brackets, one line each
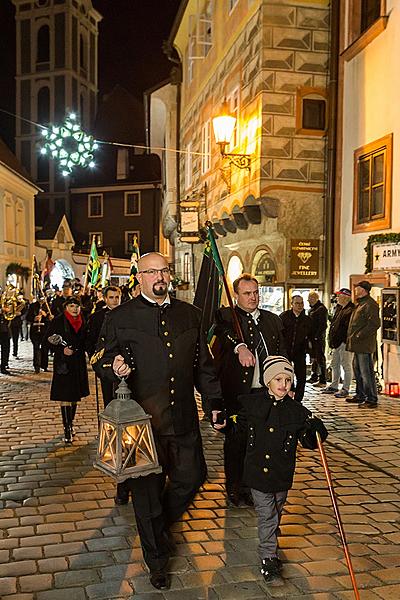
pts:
[273, 430]
[38, 328]
[70, 378]
[297, 333]
[94, 325]
[319, 319]
[339, 325]
[169, 355]
[235, 379]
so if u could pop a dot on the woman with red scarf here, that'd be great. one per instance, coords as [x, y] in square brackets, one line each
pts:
[70, 383]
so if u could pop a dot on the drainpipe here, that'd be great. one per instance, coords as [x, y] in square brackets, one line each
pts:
[329, 200]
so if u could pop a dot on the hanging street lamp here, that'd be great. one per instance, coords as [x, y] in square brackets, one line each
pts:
[126, 446]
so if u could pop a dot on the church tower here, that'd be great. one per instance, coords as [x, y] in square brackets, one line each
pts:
[56, 74]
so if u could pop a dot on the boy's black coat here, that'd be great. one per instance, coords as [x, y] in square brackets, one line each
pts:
[273, 430]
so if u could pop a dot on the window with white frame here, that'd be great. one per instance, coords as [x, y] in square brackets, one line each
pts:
[205, 28]
[188, 166]
[98, 237]
[191, 58]
[129, 239]
[132, 204]
[206, 147]
[95, 205]
[233, 104]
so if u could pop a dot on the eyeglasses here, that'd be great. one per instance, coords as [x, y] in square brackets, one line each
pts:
[153, 272]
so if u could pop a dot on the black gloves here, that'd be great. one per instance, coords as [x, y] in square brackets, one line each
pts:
[308, 438]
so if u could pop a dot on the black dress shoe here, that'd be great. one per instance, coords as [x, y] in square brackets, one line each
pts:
[354, 400]
[247, 498]
[366, 404]
[160, 580]
[5, 371]
[233, 499]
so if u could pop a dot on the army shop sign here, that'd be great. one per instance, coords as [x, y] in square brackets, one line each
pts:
[386, 257]
[304, 259]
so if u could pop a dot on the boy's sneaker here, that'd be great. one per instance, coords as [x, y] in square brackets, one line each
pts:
[270, 568]
[342, 394]
[329, 390]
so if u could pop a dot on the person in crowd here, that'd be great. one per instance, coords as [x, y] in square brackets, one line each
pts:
[361, 339]
[297, 330]
[157, 343]
[318, 314]
[238, 368]
[84, 299]
[275, 424]
[16, 323]
[24, 324]
[99, 301]
[70, 383]
[57, 305]
[39, 319]
[4, 339]
[337, 336]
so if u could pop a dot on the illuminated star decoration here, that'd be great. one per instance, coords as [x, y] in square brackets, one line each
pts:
[69, 145]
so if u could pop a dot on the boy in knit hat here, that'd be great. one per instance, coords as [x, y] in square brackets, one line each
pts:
[275, 423]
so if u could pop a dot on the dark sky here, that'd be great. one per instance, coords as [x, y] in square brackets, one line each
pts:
[130, 38]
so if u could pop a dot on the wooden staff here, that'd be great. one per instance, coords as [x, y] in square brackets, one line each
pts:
[337, 515]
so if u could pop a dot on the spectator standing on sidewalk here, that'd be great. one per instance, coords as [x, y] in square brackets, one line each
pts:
[297, 335]
[337, 336]
[361, 339]
[318, 314]
[275, 423]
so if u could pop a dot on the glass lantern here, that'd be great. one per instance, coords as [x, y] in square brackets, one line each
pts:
[126, 445]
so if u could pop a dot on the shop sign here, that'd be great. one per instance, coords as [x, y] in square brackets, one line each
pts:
[189, 222]
[386, 257]
[304, 259]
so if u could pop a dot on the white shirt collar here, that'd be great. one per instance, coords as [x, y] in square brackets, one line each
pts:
[167, 299]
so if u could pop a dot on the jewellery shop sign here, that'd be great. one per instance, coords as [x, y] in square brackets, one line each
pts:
[304, 259]
[386, 257]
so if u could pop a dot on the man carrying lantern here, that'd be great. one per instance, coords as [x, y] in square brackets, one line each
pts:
[156, 342]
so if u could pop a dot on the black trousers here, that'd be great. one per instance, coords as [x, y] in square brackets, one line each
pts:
[36, 354]
[318, 366]
[5, 349]
[234, 452]
[160, 499]
[300, 371]
[107, 391]
[15, 333]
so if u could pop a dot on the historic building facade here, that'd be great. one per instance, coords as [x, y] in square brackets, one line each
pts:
[56, 74]
[270, 62]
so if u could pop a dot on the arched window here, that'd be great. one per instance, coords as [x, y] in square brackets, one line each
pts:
[20, 229]
[43, 45]
[43, 105]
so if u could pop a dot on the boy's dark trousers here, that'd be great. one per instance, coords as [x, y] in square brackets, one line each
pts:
[268, 507]
[234, 452]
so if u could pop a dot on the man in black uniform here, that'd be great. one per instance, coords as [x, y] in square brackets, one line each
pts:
[39, 320]
[4, 340]
[157, 343]
[57, 306]
[297, 334]
[238, 367]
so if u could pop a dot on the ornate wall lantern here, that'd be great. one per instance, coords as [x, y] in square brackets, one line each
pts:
[126, 445]
[224, 125]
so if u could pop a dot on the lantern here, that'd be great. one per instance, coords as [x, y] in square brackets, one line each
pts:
[126, 443]
[223, 126]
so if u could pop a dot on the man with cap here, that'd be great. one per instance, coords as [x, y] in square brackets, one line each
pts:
[57, 306]
[361, 339]
[337, 336]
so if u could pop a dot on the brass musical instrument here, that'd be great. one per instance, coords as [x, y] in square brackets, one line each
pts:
[11, 305]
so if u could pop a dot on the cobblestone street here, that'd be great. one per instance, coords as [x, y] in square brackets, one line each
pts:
[62, 538]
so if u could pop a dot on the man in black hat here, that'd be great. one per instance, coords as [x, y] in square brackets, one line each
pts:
[361, 339]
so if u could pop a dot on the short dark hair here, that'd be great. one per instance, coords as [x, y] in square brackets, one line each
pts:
[243, 277]
[111, 288]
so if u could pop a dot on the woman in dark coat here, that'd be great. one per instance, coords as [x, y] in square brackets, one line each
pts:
[70, 378]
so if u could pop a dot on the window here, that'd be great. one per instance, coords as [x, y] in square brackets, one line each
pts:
[233, 103]
[98, 236]
[95, 205]
[188, 166]
[191, 55]
[366, 20]
[43, 105]
[206, 147]
[43, 45]
[370, 12]
[82, 53]
[205, 29]
[132, 204]
[311, 111]
[373, 186]
[43, 171]
[129, 238]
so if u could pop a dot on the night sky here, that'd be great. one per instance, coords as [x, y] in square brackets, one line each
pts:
[130, 38]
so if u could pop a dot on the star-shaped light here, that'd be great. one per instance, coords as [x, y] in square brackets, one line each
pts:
[69, 145]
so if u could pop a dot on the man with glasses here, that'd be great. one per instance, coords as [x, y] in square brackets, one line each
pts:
[156, 342]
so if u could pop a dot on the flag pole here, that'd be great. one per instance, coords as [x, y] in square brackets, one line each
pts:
[235, 319]
[337, 515]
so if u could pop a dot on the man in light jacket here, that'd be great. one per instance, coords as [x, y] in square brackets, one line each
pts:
[361, 339]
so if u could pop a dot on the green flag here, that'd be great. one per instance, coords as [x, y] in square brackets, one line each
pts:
[132, 283]
[93, 266]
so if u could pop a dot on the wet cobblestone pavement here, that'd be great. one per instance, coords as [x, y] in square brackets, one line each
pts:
[62, 538]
